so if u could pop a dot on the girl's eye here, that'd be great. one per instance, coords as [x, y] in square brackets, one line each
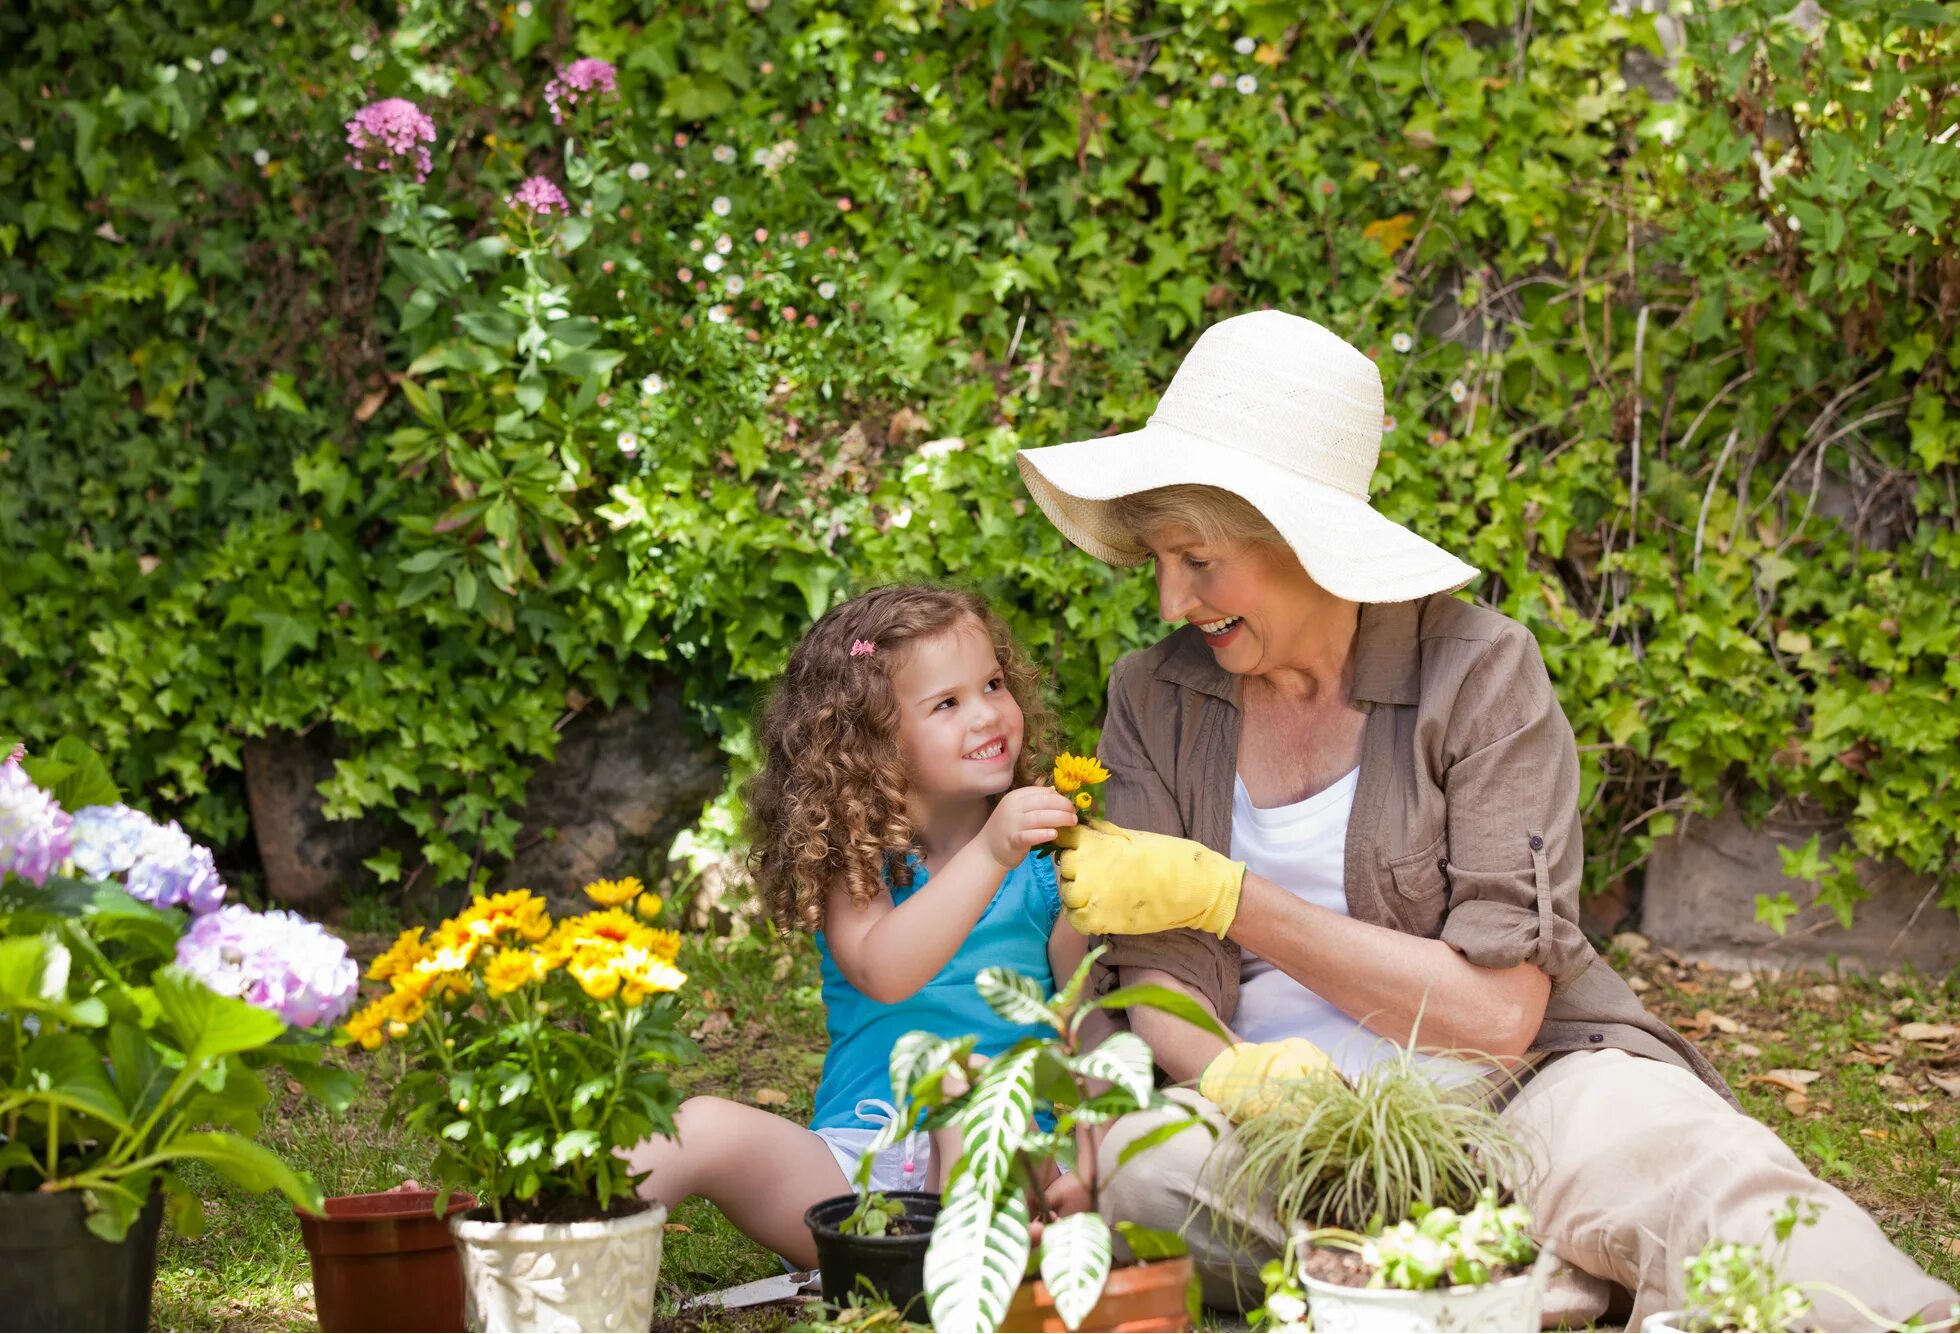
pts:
[994, 684]
[946, 703]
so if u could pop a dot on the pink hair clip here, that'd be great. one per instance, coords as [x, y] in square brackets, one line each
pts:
[862, 648]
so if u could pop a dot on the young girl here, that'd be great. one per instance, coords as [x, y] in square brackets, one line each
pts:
[895, 817]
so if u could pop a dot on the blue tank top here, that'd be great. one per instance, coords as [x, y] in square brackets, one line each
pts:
[1012, 933]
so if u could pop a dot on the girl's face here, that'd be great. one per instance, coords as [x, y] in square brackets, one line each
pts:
[959, 727]
[1253, 604]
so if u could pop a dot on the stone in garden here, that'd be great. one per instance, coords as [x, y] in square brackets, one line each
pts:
[1700, 901]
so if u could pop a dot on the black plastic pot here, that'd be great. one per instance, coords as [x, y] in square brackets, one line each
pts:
[892, 1265]
[56, 1274]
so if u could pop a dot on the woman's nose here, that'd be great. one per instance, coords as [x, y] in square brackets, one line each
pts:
[1173, 597]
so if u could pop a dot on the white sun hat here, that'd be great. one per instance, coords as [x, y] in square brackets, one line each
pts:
[1281, 413]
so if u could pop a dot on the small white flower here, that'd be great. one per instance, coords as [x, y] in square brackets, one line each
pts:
[26, 145]
[1388, 423]
[713, 263]
[524, 9]
[695, 245]
[629, 443]
[1245, 46]
[901, 516]
[260, 157]
[1401, 342]
[722, 205]
[193, 64]
[680, 173]
[1458, 391]
[686, 274]
[1247, 84]
[219, 55]
[1795, 226]
[653, 384]
[734, 284]
[724, 153]
[826, 290]
[718, 314]
[639, 171]
[585, 209]
[357, 52]
[1284, 1306]
[724, 244]
[1218, 80]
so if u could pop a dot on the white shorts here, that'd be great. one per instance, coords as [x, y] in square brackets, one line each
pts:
[902, 1166]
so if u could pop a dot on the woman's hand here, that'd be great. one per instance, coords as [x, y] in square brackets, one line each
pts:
[1022, 819]
[1124, 882]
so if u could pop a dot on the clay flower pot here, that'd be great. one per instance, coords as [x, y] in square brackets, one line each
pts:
[1137, 1297]
[555, 1277]
[385, 1261]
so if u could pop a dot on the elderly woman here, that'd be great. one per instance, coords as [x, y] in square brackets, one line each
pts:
[1344, 801]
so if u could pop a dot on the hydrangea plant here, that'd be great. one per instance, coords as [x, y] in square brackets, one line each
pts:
[140, 1009]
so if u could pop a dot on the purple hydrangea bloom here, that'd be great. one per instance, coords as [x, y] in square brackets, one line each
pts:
[588, 77]
[388, 133]
[275, 960]
[159, 863]
[541, 197]
[34, 830]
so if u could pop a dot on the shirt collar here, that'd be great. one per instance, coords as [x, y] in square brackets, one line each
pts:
[1385, 659]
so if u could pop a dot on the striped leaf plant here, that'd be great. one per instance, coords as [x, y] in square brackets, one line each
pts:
[1018, 1115]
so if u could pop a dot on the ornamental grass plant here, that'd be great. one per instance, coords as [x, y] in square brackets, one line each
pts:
[532, 1050]
[1358, 1152]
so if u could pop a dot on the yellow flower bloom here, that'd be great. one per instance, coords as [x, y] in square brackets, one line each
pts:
[614, 893]
[516, 912]
[1084, 800]
[662, 945]
[367, 1027]
[595, 967]
[399, 957]
[510, 970]
[1073, 772]
[648, 906]
[408, 1004]
[453, 947]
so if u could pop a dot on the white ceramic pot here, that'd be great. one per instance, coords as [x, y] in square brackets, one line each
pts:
[1512, 1304]
[560, 1278]
[1665, 1322]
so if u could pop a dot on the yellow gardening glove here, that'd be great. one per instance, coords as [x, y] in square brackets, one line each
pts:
[1249, 1079]
[1123, 882]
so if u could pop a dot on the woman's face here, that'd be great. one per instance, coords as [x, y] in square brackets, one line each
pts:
[1253, 604]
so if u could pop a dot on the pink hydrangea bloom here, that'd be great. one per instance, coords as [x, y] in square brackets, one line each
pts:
[541, 197]
[389, 133]
[590, 77]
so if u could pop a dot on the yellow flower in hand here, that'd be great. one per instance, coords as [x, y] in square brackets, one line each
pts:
[1073, 772]
[614, 893]
[1084, 800]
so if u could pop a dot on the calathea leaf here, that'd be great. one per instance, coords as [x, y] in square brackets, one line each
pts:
[977, 1258]
[998, 1115]
[1125, 1060]
[1075, 1264]
[1015, 997]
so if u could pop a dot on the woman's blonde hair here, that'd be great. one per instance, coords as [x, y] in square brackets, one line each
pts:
[829, 802]
[1218, 517]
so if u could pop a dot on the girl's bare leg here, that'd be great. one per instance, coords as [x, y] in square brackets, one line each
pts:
[760, 1170]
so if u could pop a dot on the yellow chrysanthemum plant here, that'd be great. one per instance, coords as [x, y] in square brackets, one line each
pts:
[531, 1049]
[1077, 777]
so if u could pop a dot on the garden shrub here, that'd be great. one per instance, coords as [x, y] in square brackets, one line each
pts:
[286, 444]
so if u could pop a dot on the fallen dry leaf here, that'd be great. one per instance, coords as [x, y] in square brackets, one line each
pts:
[370, 404]
[1952, 1245]
[1748, 1049]
[681, 1228]
[1828, 993]
[1743, 982]
[1949, 1085]
[1909, 1108]
[1638, 983]
[718, 1022]
[1794, 1080]
[1632, 942]
[1873, 1132]
[1707, 1019]
[770, 1097]
[1895, 1083]
[1688, 988]
[1929, 1032]
[1796, 1103]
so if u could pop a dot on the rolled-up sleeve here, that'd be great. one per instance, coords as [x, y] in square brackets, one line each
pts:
[1516, 853]
[1137, 797]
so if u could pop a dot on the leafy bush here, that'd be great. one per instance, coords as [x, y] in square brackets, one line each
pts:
[289, 444]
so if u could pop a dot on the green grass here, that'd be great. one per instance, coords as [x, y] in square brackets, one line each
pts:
[756, 1011]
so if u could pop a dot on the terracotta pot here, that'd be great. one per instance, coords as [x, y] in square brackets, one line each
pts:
[56, 1274]
[386, 1261]
[561, 1276]
[1137, 1297]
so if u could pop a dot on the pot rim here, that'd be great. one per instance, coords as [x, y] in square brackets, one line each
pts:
[1540, 1269]
[877, 1243]
[489, 1232]
[416, 1204]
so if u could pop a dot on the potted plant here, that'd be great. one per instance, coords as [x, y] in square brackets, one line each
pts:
[1436, 1270]
[977, 1264]
[139, 1012]
[874, 1243]
[532, 1052]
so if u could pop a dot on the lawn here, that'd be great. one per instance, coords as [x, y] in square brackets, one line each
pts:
[1860, 1075]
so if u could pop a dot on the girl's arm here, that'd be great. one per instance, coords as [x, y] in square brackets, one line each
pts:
[889, 951]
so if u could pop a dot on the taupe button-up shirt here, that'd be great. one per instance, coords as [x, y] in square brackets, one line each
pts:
[1466, 810]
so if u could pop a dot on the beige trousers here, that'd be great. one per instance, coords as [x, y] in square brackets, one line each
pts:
[1636, 1165]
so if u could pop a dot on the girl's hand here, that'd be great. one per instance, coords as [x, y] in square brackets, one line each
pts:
[1023, 818]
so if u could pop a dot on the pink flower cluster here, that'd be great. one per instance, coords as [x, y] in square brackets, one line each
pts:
[388, 133]
[590, 76]
[540, 197]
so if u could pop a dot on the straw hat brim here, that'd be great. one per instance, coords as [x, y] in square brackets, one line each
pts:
[1344, 544]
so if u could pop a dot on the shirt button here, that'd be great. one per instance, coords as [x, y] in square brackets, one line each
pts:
[1443, 864]
[1595, 1037]
[1537, 843]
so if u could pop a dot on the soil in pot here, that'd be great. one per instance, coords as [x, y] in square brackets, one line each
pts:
[386, 1261]
[1345, 1269]
[893, 1265]
[1336, 1293]
[56, 1274]
[1137, 1297]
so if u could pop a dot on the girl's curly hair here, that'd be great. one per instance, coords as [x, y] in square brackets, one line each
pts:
[829, 801]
